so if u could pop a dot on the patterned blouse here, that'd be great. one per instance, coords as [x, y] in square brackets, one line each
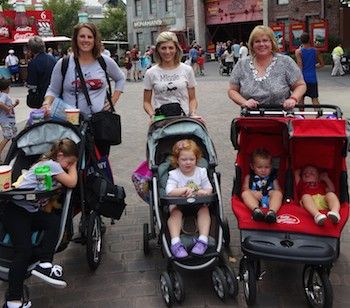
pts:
[273, 88]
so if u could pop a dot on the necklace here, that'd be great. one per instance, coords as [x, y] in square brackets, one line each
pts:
[267, 70]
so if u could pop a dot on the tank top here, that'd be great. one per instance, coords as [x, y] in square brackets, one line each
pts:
[309, 58]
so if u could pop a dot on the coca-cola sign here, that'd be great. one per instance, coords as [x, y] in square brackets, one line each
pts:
[20, 35]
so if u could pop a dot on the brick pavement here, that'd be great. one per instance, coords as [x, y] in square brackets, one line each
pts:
[125, 277]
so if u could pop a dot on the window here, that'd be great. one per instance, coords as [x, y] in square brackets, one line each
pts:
[279, 2]
[169, 6]
[138, 7]
[152, 6]
[139, 41]
[154, 35]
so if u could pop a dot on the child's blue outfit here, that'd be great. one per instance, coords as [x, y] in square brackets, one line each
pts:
[263, 184]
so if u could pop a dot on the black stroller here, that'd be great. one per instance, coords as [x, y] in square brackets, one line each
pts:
[25, 150]
[162, 136]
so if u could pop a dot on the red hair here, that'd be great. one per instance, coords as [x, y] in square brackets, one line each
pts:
[187, 145]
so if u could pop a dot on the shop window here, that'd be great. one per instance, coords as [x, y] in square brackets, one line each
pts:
[138, 7]
[152, 6]
[154, 35]
[139, 41]
[280, 2]
[169, 6]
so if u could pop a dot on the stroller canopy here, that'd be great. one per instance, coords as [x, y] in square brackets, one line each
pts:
[176, 129]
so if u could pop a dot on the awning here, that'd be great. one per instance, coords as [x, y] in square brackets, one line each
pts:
[45, 39]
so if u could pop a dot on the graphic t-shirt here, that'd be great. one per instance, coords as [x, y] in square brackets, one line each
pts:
[199, 180]
[6, 118]
[30, 181]
[170, 86]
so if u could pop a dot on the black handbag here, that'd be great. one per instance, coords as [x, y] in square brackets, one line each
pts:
[34, 99]
[170, 110]
[106, 125]
[104, 197]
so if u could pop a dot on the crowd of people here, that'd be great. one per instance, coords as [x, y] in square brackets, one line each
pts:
[260, 77]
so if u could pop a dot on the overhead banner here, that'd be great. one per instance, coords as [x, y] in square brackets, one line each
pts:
[295, 32]
[228, 11]
[319, 35]
[279, 32]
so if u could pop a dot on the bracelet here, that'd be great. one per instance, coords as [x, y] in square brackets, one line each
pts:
[294, 99]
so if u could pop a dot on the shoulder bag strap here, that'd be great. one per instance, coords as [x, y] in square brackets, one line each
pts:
[82, 83]
[109, 91]
[64, 68]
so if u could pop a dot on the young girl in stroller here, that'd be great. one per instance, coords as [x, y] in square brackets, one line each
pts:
[187, 180]
[261, 187]
[316, 192]
[24, 216]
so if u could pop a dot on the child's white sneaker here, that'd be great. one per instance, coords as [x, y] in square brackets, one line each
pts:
[333, 216]
[320, 219]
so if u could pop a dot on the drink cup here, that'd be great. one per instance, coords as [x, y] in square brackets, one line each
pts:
[5, 177]
[43, 178]
[72, 116]
[36, 116]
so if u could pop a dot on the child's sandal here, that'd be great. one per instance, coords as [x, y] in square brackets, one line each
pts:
[258, 214]
[271, 217]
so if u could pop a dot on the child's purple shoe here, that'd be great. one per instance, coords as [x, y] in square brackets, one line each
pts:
[200, 248]
[178, 250]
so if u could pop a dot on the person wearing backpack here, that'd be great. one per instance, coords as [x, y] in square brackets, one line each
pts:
[96, 70]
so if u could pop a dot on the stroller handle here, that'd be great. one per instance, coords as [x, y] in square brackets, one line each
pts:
[189, 201]
[316, 110]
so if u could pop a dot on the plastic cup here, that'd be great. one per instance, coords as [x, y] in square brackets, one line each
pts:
[43, 178]
[37, 116]
[72, 116]
[5, 177]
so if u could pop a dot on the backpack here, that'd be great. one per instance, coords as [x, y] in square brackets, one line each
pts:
[101, 61]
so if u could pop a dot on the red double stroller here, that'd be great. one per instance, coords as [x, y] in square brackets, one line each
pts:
[319, 138]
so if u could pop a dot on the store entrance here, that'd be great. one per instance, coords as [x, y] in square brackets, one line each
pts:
[225, 32]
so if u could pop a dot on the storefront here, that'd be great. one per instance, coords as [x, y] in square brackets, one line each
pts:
[228, 20]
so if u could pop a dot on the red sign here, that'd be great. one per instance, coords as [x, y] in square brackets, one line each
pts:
[295, 31]
[319, 35]
[279, 32]
[227, 11]
[20, 35]
[43, 22]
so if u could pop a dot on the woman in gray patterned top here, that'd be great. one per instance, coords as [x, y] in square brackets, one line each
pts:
[266, 78]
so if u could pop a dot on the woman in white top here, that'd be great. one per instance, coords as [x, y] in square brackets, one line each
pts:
[169, 80]
[228, 58]
[243, 51]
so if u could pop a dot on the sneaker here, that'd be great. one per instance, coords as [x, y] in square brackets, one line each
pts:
[199, 248]
[27, 304]
[53, 275]
[320, 219]
[258, 215]
[333, 216]
[178, 250]
[271, 217]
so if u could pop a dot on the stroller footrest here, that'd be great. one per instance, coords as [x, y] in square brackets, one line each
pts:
[292, 250]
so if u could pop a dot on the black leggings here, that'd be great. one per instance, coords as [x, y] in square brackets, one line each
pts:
[20, 223]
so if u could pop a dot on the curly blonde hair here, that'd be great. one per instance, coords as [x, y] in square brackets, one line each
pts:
[185, 145]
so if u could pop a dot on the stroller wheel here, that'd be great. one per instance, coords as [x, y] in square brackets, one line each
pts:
[248, 276]
[146, 249]
[317, 287]
[231, 280]
[178, 286]
[166, 288]
[219, 283]
[226, 233]
[94, 240]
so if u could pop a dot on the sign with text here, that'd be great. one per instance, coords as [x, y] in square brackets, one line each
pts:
[319, 35]
[279, 32]
[295, 31]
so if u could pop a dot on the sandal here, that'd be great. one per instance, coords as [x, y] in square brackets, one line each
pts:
[270, 217]
[258, 214]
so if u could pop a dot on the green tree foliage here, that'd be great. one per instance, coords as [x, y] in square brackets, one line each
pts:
[65, 14]
[5, 5]
[113, 26]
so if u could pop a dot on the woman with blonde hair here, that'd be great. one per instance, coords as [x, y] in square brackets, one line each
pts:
[266, 78]
[169, 81]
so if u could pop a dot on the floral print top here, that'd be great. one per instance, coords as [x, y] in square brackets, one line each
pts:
[274, 87]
